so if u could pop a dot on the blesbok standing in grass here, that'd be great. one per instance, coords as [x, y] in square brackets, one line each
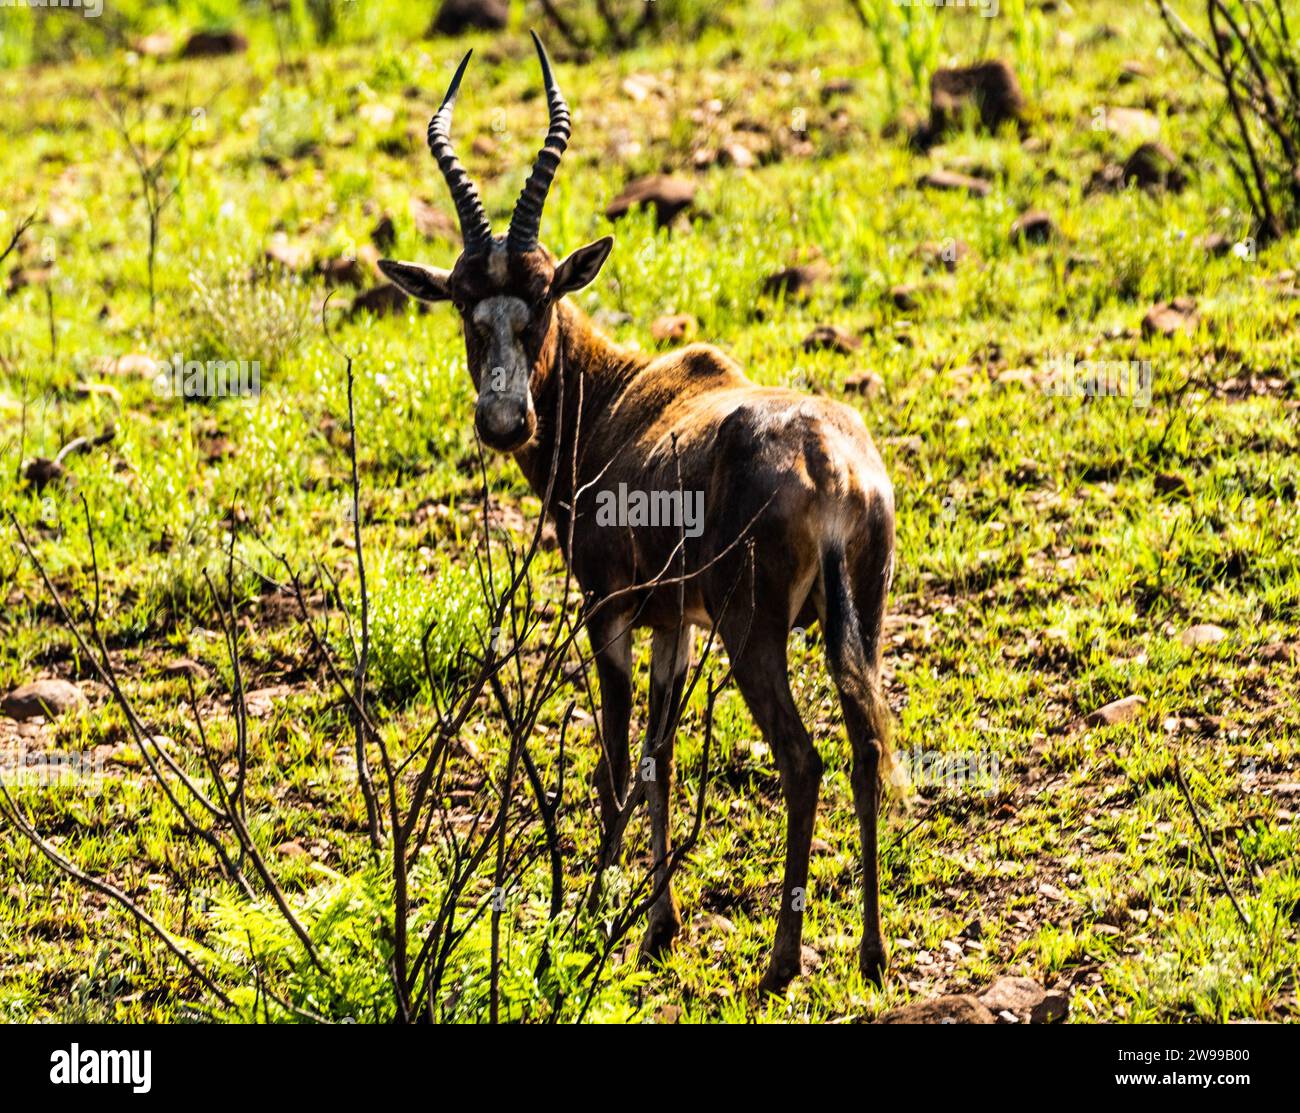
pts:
[798, 518]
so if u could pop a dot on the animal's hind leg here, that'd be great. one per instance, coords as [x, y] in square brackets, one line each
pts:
[759, 657]
[853, 620]
[669, 662]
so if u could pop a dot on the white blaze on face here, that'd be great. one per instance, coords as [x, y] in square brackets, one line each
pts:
[504, 400]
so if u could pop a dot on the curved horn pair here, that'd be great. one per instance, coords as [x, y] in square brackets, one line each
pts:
[526, 220]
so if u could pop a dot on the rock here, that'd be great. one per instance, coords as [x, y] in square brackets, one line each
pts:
[1205, 633]
[944, 253]
[292, 849]
[990, 88]
[958, 1008]
[158, 45]
[1013, 994]
[384, 234]
[433, 223]
[1117, 711]
[1166, 483]
[867, 383]
[668, 1014]
[1132, 123]
[455, 17]
[740, 156]
[1155, 166]
[1278, 652]
[185, 666]
[1215, 243]
[345, 270]
[1053, 1008]
[831, 338]
[47, 698]
[668, 195]
[380, 300]
[674, 326]
[1170, 318]
[809, 959]
[951, 180]
[1132, 71]
[291, 256]
[1034, 226]
[133, 364]
[796, 282]
[262, 701]
[905, 297]
[1106, 180]
[213, 44]
[840, 87]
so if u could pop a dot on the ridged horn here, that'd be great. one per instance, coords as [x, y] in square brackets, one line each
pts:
[474, 226]
[526, 221]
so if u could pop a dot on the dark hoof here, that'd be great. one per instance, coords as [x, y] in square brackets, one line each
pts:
[872, 961]
[659, 936]
[777, 978]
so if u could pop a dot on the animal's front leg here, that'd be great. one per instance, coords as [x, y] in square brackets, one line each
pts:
[611, 643]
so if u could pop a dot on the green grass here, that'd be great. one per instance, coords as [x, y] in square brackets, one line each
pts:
[1042, 570]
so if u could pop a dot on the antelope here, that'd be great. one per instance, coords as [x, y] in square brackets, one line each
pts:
[797, 477]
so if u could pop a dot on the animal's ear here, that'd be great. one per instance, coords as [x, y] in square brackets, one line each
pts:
[422, 283]
[581, 268]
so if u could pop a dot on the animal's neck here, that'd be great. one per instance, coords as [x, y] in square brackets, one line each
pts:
[582, 375]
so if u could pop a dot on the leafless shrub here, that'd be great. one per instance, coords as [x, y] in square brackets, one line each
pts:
[406, 784]
[1252, 55]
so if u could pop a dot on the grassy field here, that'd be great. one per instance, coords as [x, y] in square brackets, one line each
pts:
[1053, 550]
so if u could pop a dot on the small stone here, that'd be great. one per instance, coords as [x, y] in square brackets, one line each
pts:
[1115, 712]
[379, 300]
[1053, 1008]
[959, 1008]
[1205, 633]
[950, 180]
[432, 223]
[867, 383]
[1132, 123]
[944, 253]
[1215, 243]
[185, 666]
[456, 17]
[1169, 484]
[214, 44]
[345, 270]
[291, 256]
[1014, 994]
[42, 698]
[666, 194]
[1154, 166]
[1034, 226]
[905, 297]
[831, 338]
[989, 88]
[384, 234]
[796, 282]
[1171, 318]
[674, 327]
